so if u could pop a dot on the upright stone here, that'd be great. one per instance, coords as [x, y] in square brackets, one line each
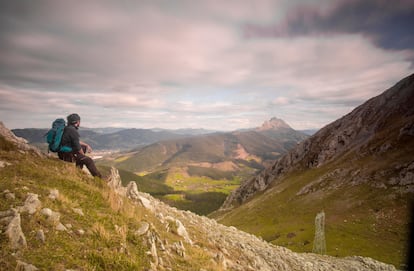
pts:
[319, 244]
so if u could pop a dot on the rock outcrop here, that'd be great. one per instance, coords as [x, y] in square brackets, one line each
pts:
[389, 115]
[21, 143]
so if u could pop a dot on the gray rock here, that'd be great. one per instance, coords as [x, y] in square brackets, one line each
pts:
[132, 191]
[61, 227]
[46, 212]
[78, 211]
[4, 164]
[15, 234]
[143, 229]
[40, 235]
[146, 203]
[52, 217]
[31, 205]
[54, 194]
[22, 266]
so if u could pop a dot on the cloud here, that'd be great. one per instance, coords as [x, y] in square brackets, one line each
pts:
[146, 64]
[387, 23]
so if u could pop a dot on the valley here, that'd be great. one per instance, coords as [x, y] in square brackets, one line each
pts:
[202, 170]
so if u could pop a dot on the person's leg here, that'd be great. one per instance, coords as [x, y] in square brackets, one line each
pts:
[66, 156]
[89, 163]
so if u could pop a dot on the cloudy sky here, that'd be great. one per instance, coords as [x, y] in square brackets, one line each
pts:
[202, 64]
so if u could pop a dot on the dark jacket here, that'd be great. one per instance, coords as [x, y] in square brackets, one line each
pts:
[70, 138]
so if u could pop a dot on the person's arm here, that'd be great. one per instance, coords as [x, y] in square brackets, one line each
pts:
[88, 148]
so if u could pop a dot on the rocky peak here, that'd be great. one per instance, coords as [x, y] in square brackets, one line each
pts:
[273, 124]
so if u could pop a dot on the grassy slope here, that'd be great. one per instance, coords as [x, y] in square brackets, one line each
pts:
[360, 220]
[109, 242]
[93, 251]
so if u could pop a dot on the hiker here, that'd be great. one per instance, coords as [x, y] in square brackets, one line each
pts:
[70, 138]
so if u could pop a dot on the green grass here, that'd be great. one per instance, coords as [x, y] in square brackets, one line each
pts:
[360, 220]
[64, 250]
[199, 194]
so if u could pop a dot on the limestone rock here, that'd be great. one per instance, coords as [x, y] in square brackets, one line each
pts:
[61, 227]
[10, 196]
[40, 235]
[4, 164]
[15, 234]
[146, 203]
[54, 194]
[115, 182]
[22, 266]
[52, 217]
[142, 229]
[31, 204]
[178, 228]
[78, 211]
[132, 190]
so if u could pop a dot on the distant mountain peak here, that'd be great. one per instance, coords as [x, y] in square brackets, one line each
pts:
[274, 124]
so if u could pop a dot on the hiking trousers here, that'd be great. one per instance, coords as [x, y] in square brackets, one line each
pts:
[81, 160]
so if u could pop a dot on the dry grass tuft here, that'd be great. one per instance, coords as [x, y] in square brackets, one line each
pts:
[100, 231]
[115, 201]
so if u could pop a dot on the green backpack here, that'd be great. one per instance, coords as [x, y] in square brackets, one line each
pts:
[54, 136]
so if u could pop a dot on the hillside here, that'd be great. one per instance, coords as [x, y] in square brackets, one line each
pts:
[56, 217]
[358, 169]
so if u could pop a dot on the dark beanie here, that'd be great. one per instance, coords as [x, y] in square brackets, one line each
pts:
[73, 118]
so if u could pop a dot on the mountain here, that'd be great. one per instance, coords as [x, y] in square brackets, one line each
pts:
[212, 148]
[279, 129]
[130, 138]
[105, 138]
[358, 169]
[274, 124]
[56, 217]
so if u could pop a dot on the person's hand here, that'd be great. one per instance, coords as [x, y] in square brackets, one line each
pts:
[88, 149]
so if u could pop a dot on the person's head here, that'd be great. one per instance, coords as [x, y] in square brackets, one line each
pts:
[74, 119]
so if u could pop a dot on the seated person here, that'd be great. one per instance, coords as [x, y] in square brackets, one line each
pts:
[70, 140]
